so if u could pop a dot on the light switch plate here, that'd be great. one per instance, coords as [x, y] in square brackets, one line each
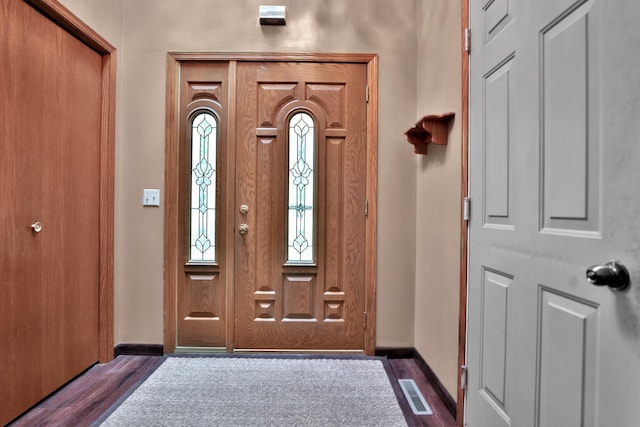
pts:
[151, 197]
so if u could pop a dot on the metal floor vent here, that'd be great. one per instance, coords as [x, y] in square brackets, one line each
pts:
[418, 404]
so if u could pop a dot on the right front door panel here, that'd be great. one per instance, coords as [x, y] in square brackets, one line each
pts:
[554, 182]
[284, 298]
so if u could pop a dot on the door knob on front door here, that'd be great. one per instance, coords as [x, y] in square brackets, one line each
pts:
[243, 229]
[36, 227]
[612, 274]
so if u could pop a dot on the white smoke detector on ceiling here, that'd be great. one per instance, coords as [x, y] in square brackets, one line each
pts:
[273, 15]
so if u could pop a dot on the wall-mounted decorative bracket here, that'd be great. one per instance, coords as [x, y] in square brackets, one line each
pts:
[432, 128]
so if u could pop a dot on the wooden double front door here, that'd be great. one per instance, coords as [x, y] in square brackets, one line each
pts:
[271, 205]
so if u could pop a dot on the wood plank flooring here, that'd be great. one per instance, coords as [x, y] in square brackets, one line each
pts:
[83, 400]
[409, 369]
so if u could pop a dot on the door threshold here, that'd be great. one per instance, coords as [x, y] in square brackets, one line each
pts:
[183, 350]
[297, 351]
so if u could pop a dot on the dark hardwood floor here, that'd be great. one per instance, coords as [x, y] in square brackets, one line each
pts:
[88, 396]
[409, 369]
[83, 400]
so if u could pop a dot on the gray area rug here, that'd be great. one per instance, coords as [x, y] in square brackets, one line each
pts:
[232, 391]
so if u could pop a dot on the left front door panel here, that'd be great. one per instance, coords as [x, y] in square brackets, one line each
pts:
[203, 172]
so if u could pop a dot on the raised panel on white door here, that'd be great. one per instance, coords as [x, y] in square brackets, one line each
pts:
[494, 346]
[570, 128]
[568, 343]
[496, 17]
[497, 165]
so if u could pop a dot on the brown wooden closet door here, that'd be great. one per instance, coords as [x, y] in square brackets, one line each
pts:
[281, 304]
[49, 173]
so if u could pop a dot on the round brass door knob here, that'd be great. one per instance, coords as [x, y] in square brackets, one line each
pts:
[243, 229]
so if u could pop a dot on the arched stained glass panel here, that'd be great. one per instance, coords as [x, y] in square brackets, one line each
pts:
[204, 138]
[300, 239]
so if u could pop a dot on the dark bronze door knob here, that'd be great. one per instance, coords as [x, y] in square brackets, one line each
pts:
[612, 274]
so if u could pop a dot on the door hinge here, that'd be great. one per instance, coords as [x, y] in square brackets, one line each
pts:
[467, 40]
[366, 208]
[366, 94]
[364, 318]
[466, 209]
[463, 377]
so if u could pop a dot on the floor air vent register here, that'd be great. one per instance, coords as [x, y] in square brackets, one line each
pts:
[419, 405]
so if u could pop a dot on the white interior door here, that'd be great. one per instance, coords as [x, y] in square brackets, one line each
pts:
[555, 186]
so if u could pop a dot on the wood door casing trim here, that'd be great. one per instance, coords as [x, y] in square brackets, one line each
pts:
[107, 197]
[364, 58]
[67, 20]
[372, 199]
[171, 192]
[60, 15]
[464, 232]
[171, 266]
